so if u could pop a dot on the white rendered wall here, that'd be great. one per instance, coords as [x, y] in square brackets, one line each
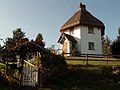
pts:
[86, 37]
[77, 35]
[67, 31]
[82, 37]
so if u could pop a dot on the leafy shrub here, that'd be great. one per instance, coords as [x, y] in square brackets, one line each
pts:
[54, 66]
[116, 48]
[106, 71]
[111, 73]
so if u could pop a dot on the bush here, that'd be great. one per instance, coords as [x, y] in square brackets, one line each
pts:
[116, 48]
[54, 66]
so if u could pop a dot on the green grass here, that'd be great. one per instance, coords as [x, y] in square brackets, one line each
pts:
[80, 77]
[92, 61]
[78, 62]
[94, 76]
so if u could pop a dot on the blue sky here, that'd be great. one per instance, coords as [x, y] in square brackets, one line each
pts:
[47, 16]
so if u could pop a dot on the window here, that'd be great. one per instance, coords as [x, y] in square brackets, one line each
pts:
[91, 45]
[91, 30]
[71, 31]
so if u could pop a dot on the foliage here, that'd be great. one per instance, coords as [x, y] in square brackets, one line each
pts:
[8, 41]
[18, 34]
[86, 78]
[9, 50]
[8, 83]
[116, 45]
[118, 32]
[53, 66]
[106, 42]
[39, 36]
[39, 40]
[52, 49]
[3, 81]
[111, 73]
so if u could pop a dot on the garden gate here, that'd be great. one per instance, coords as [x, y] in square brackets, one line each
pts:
[29, 74]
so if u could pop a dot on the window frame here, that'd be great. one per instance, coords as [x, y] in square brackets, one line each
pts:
[91, 46]
[71, 31]
[91, 30]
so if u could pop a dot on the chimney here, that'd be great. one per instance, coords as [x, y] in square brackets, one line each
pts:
[81, 7]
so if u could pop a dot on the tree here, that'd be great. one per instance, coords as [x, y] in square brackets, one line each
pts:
[118, 37]
[54, 66]
[13, 42]
[18, 34]
[52, 49]
[116, 45]
[106, 45]
[13, 46]
[39, 40]
[17, 39]
[39, 36]
[50, 65]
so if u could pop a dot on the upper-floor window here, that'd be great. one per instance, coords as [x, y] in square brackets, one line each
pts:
[91, 30]
[91, 45]
[71, 31]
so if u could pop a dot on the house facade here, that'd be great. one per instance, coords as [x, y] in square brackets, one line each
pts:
[82, 33]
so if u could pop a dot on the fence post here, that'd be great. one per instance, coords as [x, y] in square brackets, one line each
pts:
[63, 53]
[86, 58]
[6, 68]
[107, 58]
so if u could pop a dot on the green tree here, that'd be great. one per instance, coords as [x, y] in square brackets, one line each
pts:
[118, 37]
[51, 65]
[106, 45]
[18, 34]
[13, 46]
[116, 45]
[39, 40]
[17, 39]
[9, 40]
[54, 67]
[39, 36]
[13, 42]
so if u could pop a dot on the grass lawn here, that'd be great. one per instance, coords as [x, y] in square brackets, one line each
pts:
[92, 61]
[80, 77]
[104, 63]
[97, 75]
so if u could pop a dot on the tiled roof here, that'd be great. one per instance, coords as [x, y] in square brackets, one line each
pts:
[83, 17]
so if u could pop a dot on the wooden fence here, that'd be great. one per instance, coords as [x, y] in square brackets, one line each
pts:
[93, 58]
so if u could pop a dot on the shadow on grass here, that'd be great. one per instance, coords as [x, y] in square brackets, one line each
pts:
[85, 78]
